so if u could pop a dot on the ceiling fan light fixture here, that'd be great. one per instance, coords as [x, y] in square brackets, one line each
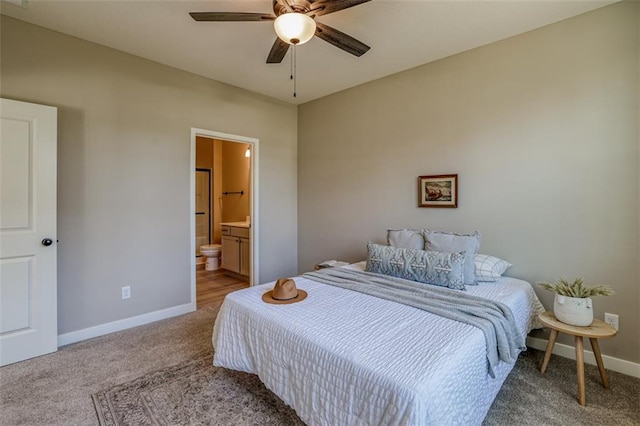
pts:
[294, 27]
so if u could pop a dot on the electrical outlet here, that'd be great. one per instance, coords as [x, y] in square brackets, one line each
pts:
[126, 292]
[611, 319]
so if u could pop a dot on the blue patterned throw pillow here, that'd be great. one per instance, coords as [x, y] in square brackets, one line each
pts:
[449, 242]
[430, 267]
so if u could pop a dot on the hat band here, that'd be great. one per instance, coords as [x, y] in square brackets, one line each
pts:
[290, 298]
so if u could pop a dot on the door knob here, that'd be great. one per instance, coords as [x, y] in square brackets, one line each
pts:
[47, 242]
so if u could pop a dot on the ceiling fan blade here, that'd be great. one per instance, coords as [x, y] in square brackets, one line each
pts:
[341, 40]
[278, 50]
[286, 5]
[231, 16]
[324, 7]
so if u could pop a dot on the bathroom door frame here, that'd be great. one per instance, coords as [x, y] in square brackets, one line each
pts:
[253, 202]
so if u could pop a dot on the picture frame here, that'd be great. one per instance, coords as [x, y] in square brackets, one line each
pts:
[438, 191]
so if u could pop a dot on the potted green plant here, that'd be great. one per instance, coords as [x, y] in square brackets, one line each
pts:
[572, 304]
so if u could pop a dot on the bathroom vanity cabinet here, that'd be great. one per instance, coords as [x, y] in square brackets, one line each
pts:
[235, 248]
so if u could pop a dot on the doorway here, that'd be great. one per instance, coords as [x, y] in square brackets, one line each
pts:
[224, 195]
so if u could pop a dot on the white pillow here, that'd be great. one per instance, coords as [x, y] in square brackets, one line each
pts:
[405, 238]
[489, 268]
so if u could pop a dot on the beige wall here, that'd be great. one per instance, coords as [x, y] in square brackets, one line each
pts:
[123, 169]
[542, 129]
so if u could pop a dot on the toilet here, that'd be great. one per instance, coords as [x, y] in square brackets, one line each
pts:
[212, 252]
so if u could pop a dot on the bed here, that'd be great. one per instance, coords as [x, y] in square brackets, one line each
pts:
[345, 358]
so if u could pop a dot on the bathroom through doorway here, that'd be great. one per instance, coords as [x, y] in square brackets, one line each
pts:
[224, 219]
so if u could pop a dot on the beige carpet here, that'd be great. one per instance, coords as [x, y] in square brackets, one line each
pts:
[195, 392]
[56, 389]
[162, 373]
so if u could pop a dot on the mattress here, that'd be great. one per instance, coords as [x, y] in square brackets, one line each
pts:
[345, 358]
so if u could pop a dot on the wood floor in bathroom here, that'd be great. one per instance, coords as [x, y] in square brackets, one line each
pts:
[213, 286]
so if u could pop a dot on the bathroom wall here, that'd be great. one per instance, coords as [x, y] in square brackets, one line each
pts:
[204, 153]
[217, 191]
[236, 176]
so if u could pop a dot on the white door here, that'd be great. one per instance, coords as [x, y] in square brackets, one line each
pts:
[28, 282]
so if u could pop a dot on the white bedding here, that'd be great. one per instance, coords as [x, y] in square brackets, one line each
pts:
[345, 358]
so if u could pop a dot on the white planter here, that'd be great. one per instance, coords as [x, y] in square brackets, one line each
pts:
[573, 310]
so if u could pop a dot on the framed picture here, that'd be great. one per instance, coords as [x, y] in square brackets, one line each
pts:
[438, 191]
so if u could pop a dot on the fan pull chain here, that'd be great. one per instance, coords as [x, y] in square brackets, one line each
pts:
[291, 62]
[295, 63]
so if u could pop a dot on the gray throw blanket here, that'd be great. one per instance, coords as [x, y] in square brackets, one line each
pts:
[495, 319]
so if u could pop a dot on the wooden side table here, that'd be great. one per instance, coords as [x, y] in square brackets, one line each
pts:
[597, 330]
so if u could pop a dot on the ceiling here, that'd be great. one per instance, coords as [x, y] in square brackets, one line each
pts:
[402, 34]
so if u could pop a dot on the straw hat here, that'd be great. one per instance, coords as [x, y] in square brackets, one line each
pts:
[284, 292]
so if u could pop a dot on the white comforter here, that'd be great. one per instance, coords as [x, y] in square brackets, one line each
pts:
[345, 358]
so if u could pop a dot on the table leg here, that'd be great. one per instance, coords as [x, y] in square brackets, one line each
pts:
[547, 354]
[596, 351]
[580, 367]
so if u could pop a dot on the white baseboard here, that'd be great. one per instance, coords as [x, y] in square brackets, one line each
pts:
[110, 327]
[610, 363]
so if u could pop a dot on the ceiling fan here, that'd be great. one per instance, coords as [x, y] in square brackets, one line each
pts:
[294, 22]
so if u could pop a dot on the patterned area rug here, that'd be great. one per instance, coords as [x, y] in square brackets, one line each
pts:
[193, 393]
[196, 393]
